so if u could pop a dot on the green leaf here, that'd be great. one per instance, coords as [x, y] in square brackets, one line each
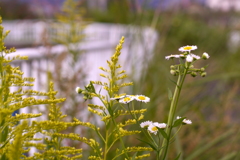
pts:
[170, 94]
[174, 83]
[134, 156]
[178, 156]
[151, 145]
[163, 133]
[92, 87]
[206, 66]
[178, 122]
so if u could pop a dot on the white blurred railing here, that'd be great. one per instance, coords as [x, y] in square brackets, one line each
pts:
[98, 47]
[30, 32]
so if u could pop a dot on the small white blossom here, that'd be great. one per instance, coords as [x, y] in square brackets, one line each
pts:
[205, 55]
[195, 56]
[187, 48]
[178, 117]
[189, 58]
[142, 98]
[152, 129]
[185, 121]
[126, 99]
[160, 125]
[145, 124]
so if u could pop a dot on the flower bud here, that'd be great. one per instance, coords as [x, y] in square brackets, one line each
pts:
[193, 74]
[172, 67]
[202, 69]
[173, 72]
[203, 74]
[205, 55]
[78, 90]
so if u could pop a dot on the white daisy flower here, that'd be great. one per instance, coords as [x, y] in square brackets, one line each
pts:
[205, 55]
[160, 125]
[126, 99]
[185, 121]
[145, 124]
[189, 58]
[187, 48]
[195, 56]
[142, 98]
[152, 129]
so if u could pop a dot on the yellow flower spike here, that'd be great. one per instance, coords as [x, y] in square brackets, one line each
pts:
[141, 117]
[102, 75]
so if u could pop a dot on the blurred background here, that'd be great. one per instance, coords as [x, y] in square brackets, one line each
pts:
[68, 40]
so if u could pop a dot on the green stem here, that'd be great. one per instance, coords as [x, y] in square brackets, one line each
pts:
[173, 108]
[120, 138]
[106, 147]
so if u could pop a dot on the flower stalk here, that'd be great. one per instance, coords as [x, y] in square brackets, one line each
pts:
[173, 107]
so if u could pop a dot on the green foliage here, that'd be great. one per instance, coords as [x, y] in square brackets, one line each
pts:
[18, 132]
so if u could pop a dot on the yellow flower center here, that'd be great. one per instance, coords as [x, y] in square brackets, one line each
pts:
[141, 98]
[127, 99]
[187, 48]
[154, 129]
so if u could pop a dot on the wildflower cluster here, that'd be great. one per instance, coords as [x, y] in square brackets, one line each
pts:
[186, 59]
[153, 127]
[189, 58]
[128, 98]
